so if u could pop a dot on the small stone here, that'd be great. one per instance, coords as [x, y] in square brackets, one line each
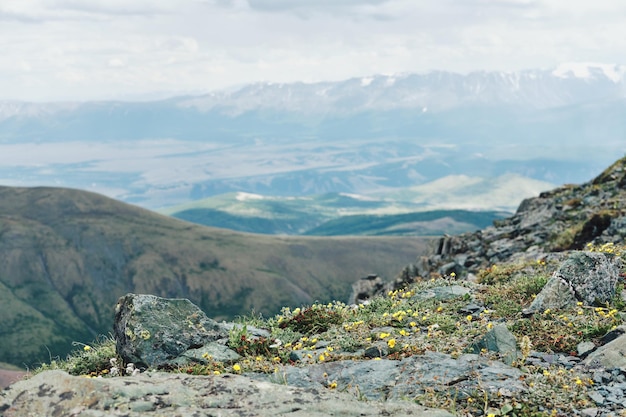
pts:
[471, 309]
[373, 352]
[499, 339]
[601, 377]
[589, 412]
[596, 397]
[584, 348]
[443, 293]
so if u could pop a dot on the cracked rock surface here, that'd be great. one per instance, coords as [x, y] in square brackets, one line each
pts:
[56, 393]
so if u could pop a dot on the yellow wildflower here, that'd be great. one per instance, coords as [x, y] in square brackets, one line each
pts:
[391, 343]
[237, 367]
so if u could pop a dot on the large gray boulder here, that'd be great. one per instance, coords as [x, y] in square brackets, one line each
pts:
[151, 394]
[588, 277]
[592, 275]
[152, 332]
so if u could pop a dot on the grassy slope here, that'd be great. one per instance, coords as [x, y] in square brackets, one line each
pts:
[331, 214]
[67, 255]
[436, 222]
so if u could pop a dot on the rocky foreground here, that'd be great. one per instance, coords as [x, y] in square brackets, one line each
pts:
[55, 393]
[522, 319]
[435, 349]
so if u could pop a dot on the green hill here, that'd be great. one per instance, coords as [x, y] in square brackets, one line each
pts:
[428, 223]
[333, 214]
[67, 255]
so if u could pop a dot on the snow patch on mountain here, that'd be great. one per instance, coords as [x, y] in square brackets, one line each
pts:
[590, 70]
[241, 196]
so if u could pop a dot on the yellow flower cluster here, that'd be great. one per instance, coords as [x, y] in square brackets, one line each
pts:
[609, 247]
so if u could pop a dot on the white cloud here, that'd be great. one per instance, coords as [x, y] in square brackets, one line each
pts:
[71, 49]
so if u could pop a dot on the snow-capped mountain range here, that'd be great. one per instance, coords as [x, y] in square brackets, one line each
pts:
[366, 135]
[565, 85]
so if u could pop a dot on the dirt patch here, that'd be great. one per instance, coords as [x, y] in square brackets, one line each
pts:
[9, 377]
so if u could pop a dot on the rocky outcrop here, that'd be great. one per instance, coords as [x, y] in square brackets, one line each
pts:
[564, 219]
[153, 332]
[365, 288]
[586, 277]
[55, 393]
[410, 377]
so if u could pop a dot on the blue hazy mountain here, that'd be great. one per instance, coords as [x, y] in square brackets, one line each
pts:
[364, 135]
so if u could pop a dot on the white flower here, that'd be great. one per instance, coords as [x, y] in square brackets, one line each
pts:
[277, 343]
[130, 368]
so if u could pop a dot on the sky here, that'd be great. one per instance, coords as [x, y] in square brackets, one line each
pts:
[59, 50]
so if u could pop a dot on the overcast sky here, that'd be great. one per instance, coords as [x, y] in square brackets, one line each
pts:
[103, 49]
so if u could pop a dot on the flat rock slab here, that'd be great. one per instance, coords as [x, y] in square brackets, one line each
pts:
[407, 378]
[443, 293]
[178, 395]
[610, 356]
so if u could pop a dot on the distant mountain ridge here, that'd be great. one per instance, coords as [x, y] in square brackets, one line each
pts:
[566, 85]
[362, 136]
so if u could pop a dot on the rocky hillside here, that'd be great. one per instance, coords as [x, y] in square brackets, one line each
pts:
[66, 256]
[566, 218]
